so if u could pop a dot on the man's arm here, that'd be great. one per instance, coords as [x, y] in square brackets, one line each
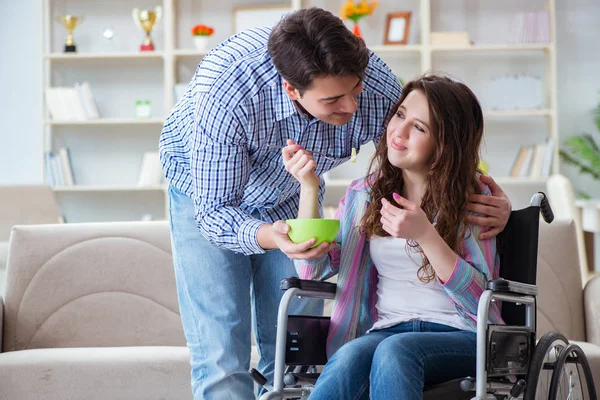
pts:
[495, 209]
[220, 170]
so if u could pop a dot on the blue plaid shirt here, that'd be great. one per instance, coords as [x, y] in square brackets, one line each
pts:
[213, 146]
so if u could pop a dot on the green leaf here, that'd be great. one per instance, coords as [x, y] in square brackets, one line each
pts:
[580, 148]
[583, 168]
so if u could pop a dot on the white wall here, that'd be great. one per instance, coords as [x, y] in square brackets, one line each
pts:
[578, 39]
[20, 80]
[20, 93]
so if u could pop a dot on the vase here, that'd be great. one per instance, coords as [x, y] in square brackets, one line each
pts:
[356, 30]
[201, 43]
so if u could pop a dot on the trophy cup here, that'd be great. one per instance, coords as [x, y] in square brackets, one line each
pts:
[145, 20]
[70, 22]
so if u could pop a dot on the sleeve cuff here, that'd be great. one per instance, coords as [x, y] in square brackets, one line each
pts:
[247, 237]
[461, 277]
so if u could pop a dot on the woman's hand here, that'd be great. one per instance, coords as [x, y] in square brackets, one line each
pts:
[301, 164]
[495, 209]
[409, 222]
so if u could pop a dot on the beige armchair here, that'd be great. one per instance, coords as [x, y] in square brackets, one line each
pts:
[562, 304]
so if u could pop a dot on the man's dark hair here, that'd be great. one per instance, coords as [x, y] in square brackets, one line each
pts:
[312, 43]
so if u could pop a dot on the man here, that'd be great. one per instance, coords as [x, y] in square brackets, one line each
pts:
[310, 80]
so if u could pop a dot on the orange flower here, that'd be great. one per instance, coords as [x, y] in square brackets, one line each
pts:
[355, 11]
[202, 30]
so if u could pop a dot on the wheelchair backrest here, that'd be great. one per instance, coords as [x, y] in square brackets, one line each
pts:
[518, 249]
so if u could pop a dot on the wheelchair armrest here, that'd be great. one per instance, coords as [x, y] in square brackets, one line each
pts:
[308, 285]
[502, 285]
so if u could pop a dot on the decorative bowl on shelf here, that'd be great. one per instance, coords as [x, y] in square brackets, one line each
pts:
[322, 229]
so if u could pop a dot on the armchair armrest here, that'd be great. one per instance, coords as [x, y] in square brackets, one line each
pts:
[308, 285]
[502, 285]
[591, 303]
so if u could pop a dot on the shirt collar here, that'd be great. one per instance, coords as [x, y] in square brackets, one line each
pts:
[286, 105]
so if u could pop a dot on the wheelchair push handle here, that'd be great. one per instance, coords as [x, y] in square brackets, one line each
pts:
[541, 200]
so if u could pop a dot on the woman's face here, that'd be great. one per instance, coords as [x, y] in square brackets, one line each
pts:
[410, 142]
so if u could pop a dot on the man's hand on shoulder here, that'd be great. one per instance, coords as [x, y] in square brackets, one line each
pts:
[495, 209]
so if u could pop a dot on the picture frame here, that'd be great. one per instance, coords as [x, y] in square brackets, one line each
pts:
[397, 27]
[245, 17]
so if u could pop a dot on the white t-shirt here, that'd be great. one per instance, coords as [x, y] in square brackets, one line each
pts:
[401, 296]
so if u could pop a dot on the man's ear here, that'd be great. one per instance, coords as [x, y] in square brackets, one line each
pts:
[291, 91]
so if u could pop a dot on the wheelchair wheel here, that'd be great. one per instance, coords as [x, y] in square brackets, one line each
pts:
[572, 378]
[542, 366]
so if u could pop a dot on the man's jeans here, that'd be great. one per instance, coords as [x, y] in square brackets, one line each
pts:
[395, 363]
[217, 289]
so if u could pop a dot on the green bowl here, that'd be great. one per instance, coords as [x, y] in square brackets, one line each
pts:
[303, 229]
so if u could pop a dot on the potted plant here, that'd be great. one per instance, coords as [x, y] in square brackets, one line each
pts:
[201, 34]
[583, 152]
[356, 11]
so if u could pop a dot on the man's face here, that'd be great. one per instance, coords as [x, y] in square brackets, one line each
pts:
[332, 99]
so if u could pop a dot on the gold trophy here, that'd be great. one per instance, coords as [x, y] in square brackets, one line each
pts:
[70, 22]
[145, 20]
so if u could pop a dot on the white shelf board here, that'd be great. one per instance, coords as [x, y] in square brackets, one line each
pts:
[110, 56]
[520, 179]
[517, 113]
[109, 121]
[108, 188]
[493, 47]
[338, 182]
[189, 53]
[397, 48]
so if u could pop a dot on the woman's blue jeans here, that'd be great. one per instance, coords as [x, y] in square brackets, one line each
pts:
[397, 362]
[218, 291]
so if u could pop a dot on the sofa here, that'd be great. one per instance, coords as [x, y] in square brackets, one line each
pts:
[91, 312]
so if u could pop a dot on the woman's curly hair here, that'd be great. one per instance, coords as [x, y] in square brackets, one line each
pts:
[456, 122]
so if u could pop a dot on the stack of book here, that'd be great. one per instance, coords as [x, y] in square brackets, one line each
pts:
[533, 160]
[59, 170]
[72, 103]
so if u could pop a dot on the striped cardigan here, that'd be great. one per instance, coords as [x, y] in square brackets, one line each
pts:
[354, 310]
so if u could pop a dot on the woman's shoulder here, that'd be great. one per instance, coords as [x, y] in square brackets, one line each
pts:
[360, 184]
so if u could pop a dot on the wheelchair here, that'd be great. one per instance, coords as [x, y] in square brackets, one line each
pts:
[509, 365]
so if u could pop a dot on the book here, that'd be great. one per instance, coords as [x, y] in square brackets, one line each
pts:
[87, 99]
[526, 166]
[539, 152]
[518, 162]
[549, 155]
[67, 168]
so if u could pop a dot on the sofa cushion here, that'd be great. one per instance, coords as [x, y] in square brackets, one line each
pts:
[91, 285]
[114, 373]
[96, 373]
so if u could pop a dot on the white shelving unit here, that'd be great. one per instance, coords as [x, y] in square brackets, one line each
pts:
[107, 152]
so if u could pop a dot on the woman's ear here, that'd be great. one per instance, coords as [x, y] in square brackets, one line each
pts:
[291, 91]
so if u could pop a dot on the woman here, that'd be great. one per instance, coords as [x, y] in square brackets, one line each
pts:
[410, 266]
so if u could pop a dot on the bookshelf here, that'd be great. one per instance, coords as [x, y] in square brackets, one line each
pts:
[107, 152]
